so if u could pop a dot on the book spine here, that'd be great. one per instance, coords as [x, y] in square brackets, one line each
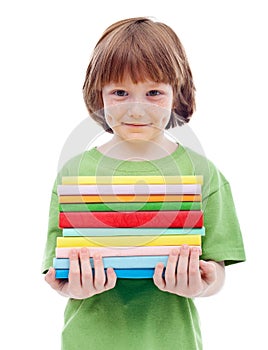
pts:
[97, 232]
[136, 206]
[128, 189]
[194, 240]
[93, 180]
[120, 251]
[183, 219]
[120, 273]
[129, 198]
[123, 262]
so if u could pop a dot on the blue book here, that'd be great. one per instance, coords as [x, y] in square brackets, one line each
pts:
[120, 273]
[119, 262]
[153, 231]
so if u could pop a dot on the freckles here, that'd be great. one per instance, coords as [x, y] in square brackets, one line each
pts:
[163, 117]
[111, 114]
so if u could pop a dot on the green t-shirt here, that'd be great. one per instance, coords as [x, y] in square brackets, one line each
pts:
[136, 314]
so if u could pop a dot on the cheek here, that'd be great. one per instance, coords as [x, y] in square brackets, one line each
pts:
[165, 120]
[109, 119]
[160, 115]
[113, 114]
[166, 113]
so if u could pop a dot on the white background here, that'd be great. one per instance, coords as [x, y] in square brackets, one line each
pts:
[45, 48]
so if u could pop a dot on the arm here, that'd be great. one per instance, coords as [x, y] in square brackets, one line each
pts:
[188, 276]
[81, 283]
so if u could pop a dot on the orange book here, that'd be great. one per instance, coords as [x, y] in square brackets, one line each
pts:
[129, 198]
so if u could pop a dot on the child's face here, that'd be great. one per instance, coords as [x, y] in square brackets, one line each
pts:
[137, 111]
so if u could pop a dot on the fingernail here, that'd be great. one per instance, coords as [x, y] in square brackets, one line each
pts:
[73, 254]
[174, 252]
[159, 266]
[83, 250]
[195, 249]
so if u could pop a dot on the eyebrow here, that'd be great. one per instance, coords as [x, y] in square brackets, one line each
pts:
[150, 84]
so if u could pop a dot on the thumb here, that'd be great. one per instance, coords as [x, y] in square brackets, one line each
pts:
[208, 271]
[50, 278]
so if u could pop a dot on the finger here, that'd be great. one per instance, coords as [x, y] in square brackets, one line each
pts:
[86, 270]
[50, 278]
[158, 276]
[111, 278]
[194, 271]
[170, 273]
[99, 277]
[182, 268]
[74, 270]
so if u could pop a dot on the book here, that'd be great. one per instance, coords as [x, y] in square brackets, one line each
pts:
[151, 231]
[158, 179]
[133, 206]
[122, 262]
[194, 240]
[120, 251]
[183, 219]
[129, 198]
[129, 189]
[120, 273]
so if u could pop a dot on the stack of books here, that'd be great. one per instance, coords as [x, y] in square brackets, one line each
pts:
[133, 222]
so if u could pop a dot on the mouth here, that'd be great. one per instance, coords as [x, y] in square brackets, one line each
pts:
[136, 125]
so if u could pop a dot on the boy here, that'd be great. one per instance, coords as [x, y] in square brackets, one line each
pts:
[138, 84]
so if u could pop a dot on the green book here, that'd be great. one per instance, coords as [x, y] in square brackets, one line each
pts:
[130, 206]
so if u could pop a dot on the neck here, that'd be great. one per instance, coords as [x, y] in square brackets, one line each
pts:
[138, 150]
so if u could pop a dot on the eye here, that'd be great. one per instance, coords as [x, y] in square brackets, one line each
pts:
[153, 93]
[120, 93]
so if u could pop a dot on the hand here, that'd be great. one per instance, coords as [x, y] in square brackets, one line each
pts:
[185, 275]
[81, 283]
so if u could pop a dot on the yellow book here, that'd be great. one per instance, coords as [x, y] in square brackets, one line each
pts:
[126, 180]
[129, 241]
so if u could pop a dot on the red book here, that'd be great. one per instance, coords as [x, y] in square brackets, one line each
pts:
[186, 219]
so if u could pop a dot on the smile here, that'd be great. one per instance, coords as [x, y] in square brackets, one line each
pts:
[136, 125]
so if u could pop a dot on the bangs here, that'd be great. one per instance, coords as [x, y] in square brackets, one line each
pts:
[135, 63]
[136, 54]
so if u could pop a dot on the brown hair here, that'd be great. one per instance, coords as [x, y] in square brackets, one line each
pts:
[144, 49]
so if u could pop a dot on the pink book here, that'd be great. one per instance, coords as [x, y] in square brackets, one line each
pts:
[64, 190]
[120, 251]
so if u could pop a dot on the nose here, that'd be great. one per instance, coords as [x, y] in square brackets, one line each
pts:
[136, 110]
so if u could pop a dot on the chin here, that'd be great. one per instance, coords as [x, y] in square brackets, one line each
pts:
[136, 139]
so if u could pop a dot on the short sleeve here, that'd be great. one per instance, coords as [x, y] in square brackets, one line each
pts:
[223, 240]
